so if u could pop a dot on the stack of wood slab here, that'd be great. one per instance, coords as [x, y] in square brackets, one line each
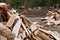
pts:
[21, 28]
[53, 17]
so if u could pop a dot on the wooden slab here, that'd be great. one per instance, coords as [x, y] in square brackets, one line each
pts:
[11, 21]
[17, 27]
[25, 28]
[56, 35]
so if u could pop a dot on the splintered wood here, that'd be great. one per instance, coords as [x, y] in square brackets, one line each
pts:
[21, 28]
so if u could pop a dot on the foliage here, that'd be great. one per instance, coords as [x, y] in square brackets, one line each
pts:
[33, 2]
[16, 2]
[42, 2]
[36, 2]
[48, 2]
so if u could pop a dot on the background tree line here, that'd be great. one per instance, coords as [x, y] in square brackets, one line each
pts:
[32, 3]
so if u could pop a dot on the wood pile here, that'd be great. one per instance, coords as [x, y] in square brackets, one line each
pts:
[52, 18]
[19, 27]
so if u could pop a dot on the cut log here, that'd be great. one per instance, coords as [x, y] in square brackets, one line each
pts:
[2, 37]
[38, 38]
[4, 31]
[4, 27]
[4, 6]
[43, 36]
[45, 31]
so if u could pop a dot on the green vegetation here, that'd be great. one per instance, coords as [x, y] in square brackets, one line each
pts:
[16, 2]
[32, 3]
